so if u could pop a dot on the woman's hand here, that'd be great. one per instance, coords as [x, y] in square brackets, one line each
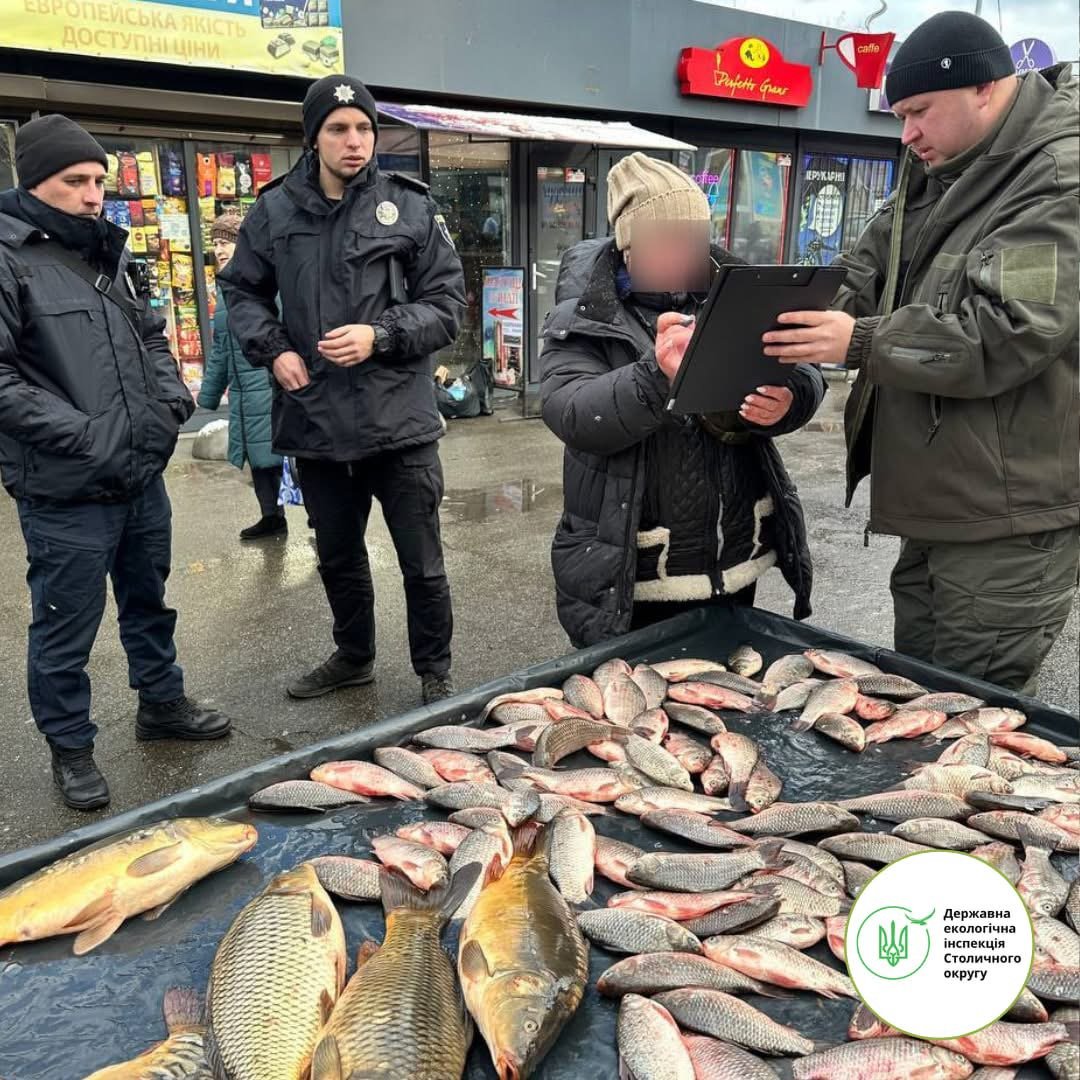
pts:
[768, 406]
[673, 334]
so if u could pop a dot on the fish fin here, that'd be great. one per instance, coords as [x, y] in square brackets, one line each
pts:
[495, 870]
[821, 1045]
[526, 839]
[90, 915]
[1073, 1028]
[183, 1008]
[625, 1072]
[771, 852]
[322, 916]
[473, 962]
[94, 935]
[799, 724]
[737, 796]
[326, 1061]
[768, 990]
[326, 1006]
[510, 773]
[458, 888]
[213, 1055]
[154, 862]
[157, 912]
[366, 951]
[1026, 835]
[845, 905]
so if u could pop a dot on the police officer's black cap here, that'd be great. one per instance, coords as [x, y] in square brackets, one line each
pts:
[336, 92]
[50, 144]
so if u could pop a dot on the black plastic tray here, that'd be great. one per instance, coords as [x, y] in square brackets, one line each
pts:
[62, 1016]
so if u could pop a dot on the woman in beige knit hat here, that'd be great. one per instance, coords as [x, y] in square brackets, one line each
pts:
[661, 512]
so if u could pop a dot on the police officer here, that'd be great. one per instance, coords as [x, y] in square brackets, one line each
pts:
[370, 286]
[90, 406]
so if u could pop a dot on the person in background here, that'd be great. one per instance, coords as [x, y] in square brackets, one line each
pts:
[959, 315]
[250, 398]
[662, 512]
[91, 402]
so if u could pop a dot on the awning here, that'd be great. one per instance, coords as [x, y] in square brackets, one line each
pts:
[503, 125]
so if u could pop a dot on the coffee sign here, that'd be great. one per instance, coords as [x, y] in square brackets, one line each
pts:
[745, 69]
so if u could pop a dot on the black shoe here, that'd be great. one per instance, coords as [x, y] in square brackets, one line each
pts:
[436, 688]
[274, 525]
[80, 781]
[179, 719]
[340, 670]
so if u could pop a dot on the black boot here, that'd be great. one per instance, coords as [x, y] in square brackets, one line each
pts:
[179, 719]
[271, 525]
[436, 688]
[77, 776]
[340, 670]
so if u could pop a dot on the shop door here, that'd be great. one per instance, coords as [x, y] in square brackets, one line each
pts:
[562, 206]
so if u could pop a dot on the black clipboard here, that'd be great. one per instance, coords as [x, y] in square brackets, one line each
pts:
[725, 359]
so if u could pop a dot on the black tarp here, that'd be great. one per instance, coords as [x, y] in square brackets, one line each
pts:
[63, 1016]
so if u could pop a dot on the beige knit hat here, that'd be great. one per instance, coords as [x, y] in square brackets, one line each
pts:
[645, 189]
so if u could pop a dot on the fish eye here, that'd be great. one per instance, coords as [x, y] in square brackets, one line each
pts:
[531, 1027]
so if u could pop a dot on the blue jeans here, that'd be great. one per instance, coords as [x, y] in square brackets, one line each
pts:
[72, 549]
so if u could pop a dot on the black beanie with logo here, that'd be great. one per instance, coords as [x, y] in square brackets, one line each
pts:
[949, 51]
[50, 144]
[335, 92]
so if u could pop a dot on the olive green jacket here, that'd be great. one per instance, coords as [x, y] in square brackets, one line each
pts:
[965, 412]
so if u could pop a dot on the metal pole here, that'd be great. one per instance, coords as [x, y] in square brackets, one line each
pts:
[978, 7]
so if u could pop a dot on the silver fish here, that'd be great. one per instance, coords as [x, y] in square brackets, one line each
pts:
[940, 833]
[650, 1043]
[697, 828]
[892, 686]
[746, 661]
[1044, 890]
[949, 704]
[1001, 857]
[651, 683]
[629, 931]
[583, 693]
[734, 918]
[409, 765]
[623, 700]
[785, 672]
[791, 819]
[702, 872]
[829, 699]
[845, 730]
[608, 670]
[572, 855]
[1064, 1060]
[871, 847]
[663, 798]
[656, 763]
[695, 716]
[840, 665]
[856, 876]
[303, 795]
[905, 805]
[731, 680]
[715, 1059]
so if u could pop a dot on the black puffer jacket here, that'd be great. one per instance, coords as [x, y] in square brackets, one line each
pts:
[90, 404]
[331, 265]
[603, 396]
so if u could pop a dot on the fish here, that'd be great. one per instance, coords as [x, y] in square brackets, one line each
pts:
[779, 964]
[1004, 824]
[556, 711]
[702, 872]
[894, 686]
[795, 897]
[829, 698]
[735, 918]
[491, 848]
[409, 765]
[798, 931]
[506, 771]
[477, 817]
[1072, 904]
[715, 779]
[661, 798]
[608, 670]
[986, 720]
[682, 670]
[957, 779]
[470, 739]
[680, 906]
[589, 785]
[785, 672]
[652, 724]
[583, 693]
[791, 819]
[346, 877]
[870, 847]
[809, 873]
[651, 683]
[656, 763]
[536, 696]
[280, 967]
[865, 1025]
[712, 1012]
[745, 661]
[840, 665]
[856, 876]
[1063, 790]
[650, 1043]
[303, 796]
[143, 872]
[830, 864]
[572, 853]
[890, 1058]
[457, 766]
[365, 778]
[653, 973]
[523, 732]
[949, 703]
[1043, 889]
[614, 857]
[692, 755]
[1005, 1043]
[466, 794]
[696, 717]
[566, 738]
[1022, 742]
[763, 788]
[906, 723]
[835, 932]
[970, 749]
[1055, 943]
[623, 700]
[441, 836]
[872, 708]
[551, 804]
[796, 695]
[1056, 982]
[522, 806]
[1028, 1009]
[424, 867]
[401, 1013]
[845, 730]
[715, 1059]
[512, 712]
[940, 833]
[908, 804]
[709, 696]
[739, 754]
[625, 930]
[181, 1056]
[1064, 1060]
[987, 800]
[731, 680]
[1001, 857]
[522, 960]
[697, 828]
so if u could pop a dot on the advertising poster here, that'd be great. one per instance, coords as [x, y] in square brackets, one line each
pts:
[821, 209]
[504, 323]
[275, 37]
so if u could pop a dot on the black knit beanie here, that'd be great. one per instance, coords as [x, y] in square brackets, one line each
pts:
[50, 144]
[949, 51]
[335, 92]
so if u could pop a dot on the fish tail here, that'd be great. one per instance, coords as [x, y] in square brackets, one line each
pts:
[399, 893]
[771, 853]
[737, 796]
[183, 1008]
[1026, 835]
[799, 724]
[526, 839]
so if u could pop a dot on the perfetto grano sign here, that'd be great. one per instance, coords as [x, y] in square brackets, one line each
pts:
[745, 69]
[278, 37]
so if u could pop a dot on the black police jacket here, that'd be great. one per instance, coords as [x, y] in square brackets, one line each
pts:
[332, 264]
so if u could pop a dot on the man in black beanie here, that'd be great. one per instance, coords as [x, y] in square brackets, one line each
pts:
[960, 315]
[369, 285]
[91, 403]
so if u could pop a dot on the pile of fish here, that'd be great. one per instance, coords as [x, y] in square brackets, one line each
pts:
[731, 889]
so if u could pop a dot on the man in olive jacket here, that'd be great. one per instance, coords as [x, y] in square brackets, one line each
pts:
[960, 314]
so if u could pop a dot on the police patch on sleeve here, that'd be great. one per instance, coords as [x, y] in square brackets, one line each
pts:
[440, 221]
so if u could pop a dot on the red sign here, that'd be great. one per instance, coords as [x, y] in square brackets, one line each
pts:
[503, 313]
[866, 55]
[745, 69]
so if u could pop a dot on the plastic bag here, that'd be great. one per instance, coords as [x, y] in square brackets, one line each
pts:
[459, 400]
[289, 494]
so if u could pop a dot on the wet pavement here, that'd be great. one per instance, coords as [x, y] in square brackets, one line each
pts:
[254, 616]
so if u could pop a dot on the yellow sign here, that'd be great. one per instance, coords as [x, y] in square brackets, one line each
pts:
[300, 37]
[754, 53]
